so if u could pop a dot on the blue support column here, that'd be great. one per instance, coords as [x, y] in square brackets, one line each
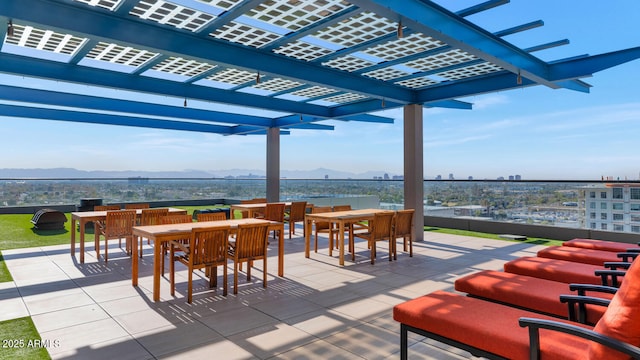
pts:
[413, 167]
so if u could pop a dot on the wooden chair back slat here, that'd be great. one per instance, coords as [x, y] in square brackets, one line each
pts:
[209, 246]
[274, 212]
[176, 219]
[152, 216]
[120, 223]
[251, 242]
[213, 216]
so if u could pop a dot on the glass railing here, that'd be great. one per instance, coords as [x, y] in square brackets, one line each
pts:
[600, 205]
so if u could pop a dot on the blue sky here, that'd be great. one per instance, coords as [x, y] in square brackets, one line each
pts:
[538, 133]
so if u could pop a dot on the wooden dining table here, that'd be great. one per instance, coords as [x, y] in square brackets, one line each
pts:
[339, 218]
[84, 217]
[160, 234]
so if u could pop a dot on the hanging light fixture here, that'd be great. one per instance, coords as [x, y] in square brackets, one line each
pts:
[185, 102]
[10, 28]
[258, 78]
[382, 103]
[400, 34]
[519, 79]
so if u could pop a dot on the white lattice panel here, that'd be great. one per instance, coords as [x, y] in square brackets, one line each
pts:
[120, 54]
[345, 98]
[412, 44]
[47, 40]
[277, 84]
[222, 4]
[358, 29]
[181, 66]
[438, 61]
[417, 83]
[107, 4]
[294, 14]
[386, 73]
[348, 63]
[470, 71]
[302, 51]
[233, 76]
[314, 91]
[245, 35]
[164, 12]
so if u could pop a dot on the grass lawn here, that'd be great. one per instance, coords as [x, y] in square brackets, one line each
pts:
[20, 340]
[537, 241]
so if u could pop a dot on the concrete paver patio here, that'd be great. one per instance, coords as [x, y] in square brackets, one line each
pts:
[318, 310]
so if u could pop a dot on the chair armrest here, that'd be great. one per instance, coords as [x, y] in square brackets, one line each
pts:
[628, 256]
[179, 245]
[615, 265]
[534, 336]
[605, 275]
[581, 302]
[583, 288]
[633, 250]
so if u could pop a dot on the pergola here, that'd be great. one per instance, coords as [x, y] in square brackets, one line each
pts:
[305, 60]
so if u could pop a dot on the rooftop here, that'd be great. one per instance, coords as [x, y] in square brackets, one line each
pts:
[318, 310]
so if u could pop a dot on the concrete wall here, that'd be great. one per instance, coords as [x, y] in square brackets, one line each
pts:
[530, 231]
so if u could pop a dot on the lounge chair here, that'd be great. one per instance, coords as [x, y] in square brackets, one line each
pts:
[496, 331]
[540, 295]
[601, 245]
[567, 271]
[585, 256]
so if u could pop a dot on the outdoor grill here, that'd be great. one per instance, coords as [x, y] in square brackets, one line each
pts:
[48, 219]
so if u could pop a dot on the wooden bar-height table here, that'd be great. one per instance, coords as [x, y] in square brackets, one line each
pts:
[84, 217]
[341, 218]
[162, 233]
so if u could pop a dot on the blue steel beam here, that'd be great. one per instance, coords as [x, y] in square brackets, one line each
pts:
[91, 76]
[481, 7]
[228, 16]
[547, 45]
[79, 20]
[53, 98]
[519, 28]
[437, 22]
[106, 119]
[582, 66]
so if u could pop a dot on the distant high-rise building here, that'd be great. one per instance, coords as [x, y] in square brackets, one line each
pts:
[438, 177]
[500, 178]
[511, 177]
[470, 177]
[326, 177]
[386, 176]
[611, 207]
[518, 177]
[451, 177]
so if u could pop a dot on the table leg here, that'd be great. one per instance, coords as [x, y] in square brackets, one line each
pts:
[96, 240]
[81, 240]
[73, 237]
[341, 230]
[307, 237]
[281, 252]
[134, 260]
[157, 253]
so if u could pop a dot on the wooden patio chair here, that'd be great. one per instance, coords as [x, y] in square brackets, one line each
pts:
[250, 244]
[273, 212]
[106, 207]
[118, 225]
[212, 216]
[173, 219]
[380, 229]
[244, 213]
[207, 249]
[296, 214]
[403, 227]
[322, 227]
[151, 217]
[97, 225]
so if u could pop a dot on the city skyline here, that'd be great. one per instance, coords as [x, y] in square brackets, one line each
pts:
[538, 133]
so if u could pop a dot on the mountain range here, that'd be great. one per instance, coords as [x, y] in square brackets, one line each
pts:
[70, 173]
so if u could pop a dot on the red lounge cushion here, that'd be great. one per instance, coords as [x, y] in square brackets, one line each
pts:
[575, 254]
[599, 245]
[525, 291]
[622, 318]
[485, 325]
[556, 270]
